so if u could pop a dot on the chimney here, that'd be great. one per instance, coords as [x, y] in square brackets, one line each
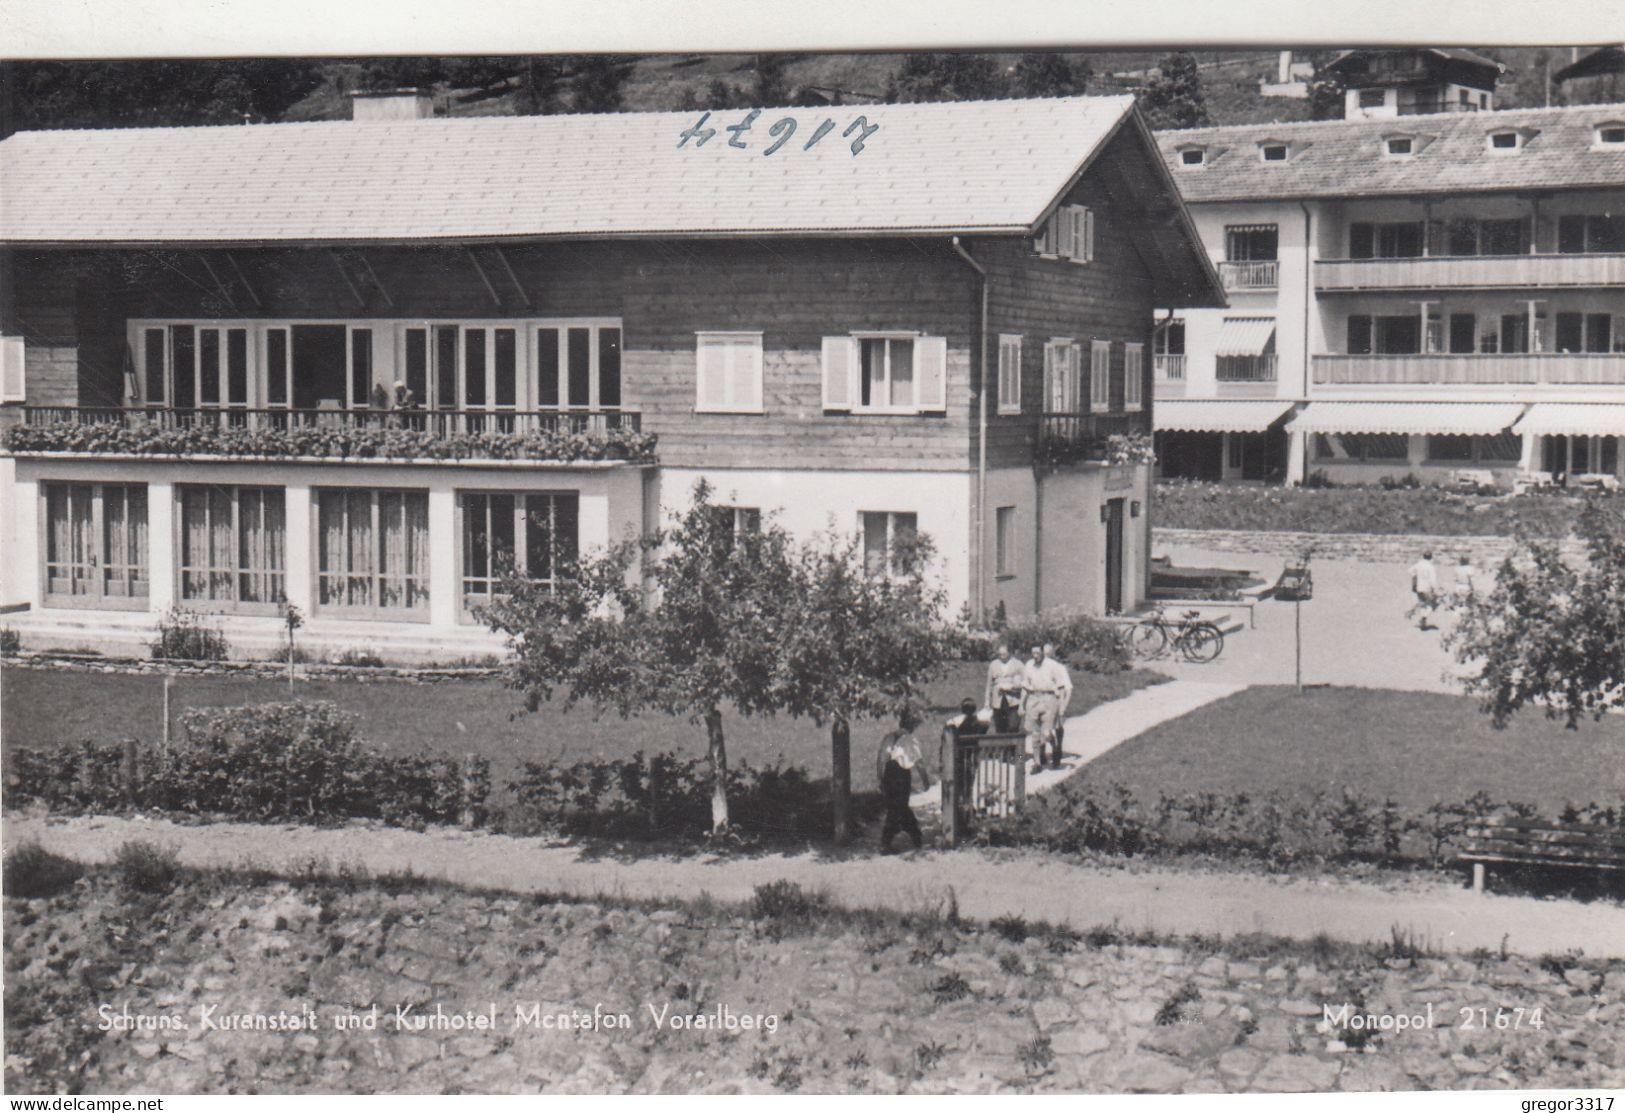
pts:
[390, 104]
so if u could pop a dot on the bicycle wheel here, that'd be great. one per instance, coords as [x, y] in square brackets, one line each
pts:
[1202, 642]
[1148, 640]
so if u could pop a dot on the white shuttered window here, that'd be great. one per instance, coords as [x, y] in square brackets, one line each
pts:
[1133, 376]
[728, 372]
[1100, 374]
[1009, 374]
[13, 386]
[895, 373]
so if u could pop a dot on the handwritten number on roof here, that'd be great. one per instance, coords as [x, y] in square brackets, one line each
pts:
[781, 131]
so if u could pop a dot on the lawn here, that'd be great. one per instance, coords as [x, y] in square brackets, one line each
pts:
[40, 708]
[1429, 510]
[1415, 747]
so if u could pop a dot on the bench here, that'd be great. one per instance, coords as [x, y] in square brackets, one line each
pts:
[1540, 842]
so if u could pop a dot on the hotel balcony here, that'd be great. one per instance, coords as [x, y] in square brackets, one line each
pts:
[1468, 272]
[1169, 375]
[1532, 368]
[1072, 438]
[1258, 274]
[409, 434]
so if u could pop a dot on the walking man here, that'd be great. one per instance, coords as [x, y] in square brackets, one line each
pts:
[898, 760]
[1065, 699]
[1425, 586]
[1461, 592]
[1046, 680]
[1006, 681]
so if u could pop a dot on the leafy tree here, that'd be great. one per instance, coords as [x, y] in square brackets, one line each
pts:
[709, 641]
[36, 94]
[1050, 74]
[1326, 96]
[1550, 632]
[600, 82]
[1173, 99]
[858, 644]
[539, 78]
[772, 85]
[949, 76]
[721, 94]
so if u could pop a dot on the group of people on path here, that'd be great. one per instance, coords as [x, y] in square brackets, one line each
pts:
[1033, 694]
[1430, 594]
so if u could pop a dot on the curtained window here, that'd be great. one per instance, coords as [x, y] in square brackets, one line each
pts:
[233, 545]
[372, 550]
[507, 531]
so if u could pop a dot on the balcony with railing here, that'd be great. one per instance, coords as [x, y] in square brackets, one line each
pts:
[1468, 272]
[1097, 437]
[1253, 274]
[1245, 369]
[571, 434]
[1505, 369]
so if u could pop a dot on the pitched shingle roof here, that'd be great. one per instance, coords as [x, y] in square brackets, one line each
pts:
[938, 168]
[1343, 158]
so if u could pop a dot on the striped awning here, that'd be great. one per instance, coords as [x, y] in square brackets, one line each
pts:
[1471, 418]
[1573, 419]
[1245, 336]
[1210, 416]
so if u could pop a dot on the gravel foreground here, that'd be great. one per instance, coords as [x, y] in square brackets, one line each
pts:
[514, 992]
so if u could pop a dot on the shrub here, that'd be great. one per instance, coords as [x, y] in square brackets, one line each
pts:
[358, 658]
[145, 867]
[183, 636]
[11, 643]
[786, 901]
[32, 871]
[1081, 640]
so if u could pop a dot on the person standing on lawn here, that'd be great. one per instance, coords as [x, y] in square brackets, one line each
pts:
[1065, 701]
[1006, 680]
[1461, 592]
[899, 758]
[1425, 586]
[1046, 680]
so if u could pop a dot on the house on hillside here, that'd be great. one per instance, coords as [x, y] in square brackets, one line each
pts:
[1440, 296]
[1418, 81]
[882, 319]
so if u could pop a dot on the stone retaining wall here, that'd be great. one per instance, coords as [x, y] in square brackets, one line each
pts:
[1382, 548]
[274, 670]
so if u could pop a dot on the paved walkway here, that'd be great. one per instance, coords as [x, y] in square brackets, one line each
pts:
[1443, 917]
[1355, 633]
[1104, 727]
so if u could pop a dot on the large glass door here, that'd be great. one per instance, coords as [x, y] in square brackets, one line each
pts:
[96, 545]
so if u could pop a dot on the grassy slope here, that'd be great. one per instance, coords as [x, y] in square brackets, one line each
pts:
[1415, 747]
[41, 708]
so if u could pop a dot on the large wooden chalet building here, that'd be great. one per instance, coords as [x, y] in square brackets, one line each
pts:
[877, 319]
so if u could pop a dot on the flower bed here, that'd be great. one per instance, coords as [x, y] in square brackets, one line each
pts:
[347, 444]
[1184, 504]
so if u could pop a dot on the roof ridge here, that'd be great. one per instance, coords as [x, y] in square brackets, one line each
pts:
[1374, 121]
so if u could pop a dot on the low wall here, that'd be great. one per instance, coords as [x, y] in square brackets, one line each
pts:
[273, 670]
[1382, 548]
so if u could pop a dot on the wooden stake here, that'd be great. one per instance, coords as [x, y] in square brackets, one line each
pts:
[168, 680]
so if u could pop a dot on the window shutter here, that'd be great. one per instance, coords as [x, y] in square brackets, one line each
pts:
[840, 370]
[1088, 235]
[746, 372]
[711, 374]
[13, 385]
[931, 372]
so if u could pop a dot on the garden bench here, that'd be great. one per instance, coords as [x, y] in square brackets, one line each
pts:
[1542, 843]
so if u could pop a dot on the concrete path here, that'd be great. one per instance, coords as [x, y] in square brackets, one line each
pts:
[1104, 727]
[986, 885]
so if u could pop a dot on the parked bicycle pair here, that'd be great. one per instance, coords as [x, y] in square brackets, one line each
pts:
[1193, 638]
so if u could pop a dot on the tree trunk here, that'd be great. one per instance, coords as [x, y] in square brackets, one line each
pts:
[718, 753]
[840, 780]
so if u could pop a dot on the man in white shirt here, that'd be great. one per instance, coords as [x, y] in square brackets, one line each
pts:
[1006, 680]
[1425, 586]
[1048, 687]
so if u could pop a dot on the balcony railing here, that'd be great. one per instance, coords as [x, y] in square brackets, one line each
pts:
[1257, 274]
[1170, 368]
[1517, 369]
[1245, 369]
[1067, 438]
[566, 434]
[1466, 272]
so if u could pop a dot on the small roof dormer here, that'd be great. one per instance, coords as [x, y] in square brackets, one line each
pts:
[1192, 156]
[1609, 135]
[1276, 151]
[1403, 144]
[1508, 141]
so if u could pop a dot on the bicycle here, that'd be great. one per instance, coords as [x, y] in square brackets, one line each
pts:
[1196, 640]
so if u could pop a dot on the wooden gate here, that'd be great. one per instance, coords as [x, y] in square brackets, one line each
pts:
[983, 776]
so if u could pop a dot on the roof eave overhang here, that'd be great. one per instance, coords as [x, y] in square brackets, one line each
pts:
[1343, 195]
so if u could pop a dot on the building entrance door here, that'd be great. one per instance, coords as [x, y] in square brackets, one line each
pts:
[1114, 556]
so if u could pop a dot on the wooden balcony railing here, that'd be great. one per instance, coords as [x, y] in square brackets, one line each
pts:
[1068, 438]
[1532, 368]
[1257, 274]
[1467, 272]
[1169, 367]
[567, 434]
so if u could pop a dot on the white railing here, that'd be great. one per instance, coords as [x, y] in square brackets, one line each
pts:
[1563, 368]
[1257, 274]
[1245, 369]
[1470, 272]
[1169, 367]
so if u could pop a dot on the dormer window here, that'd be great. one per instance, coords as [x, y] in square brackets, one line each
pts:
[1504, 140]
[1611, 134]
[1399, 146]
[1273, 152]
[1192, 156]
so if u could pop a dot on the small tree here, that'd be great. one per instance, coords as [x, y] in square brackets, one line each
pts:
[858, 641]
[600, 82]
[1051, 74]
[702, 639]
[772, 84]
[947, 77]
[1173, 99]
[1549, 632]
[1327, 95]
